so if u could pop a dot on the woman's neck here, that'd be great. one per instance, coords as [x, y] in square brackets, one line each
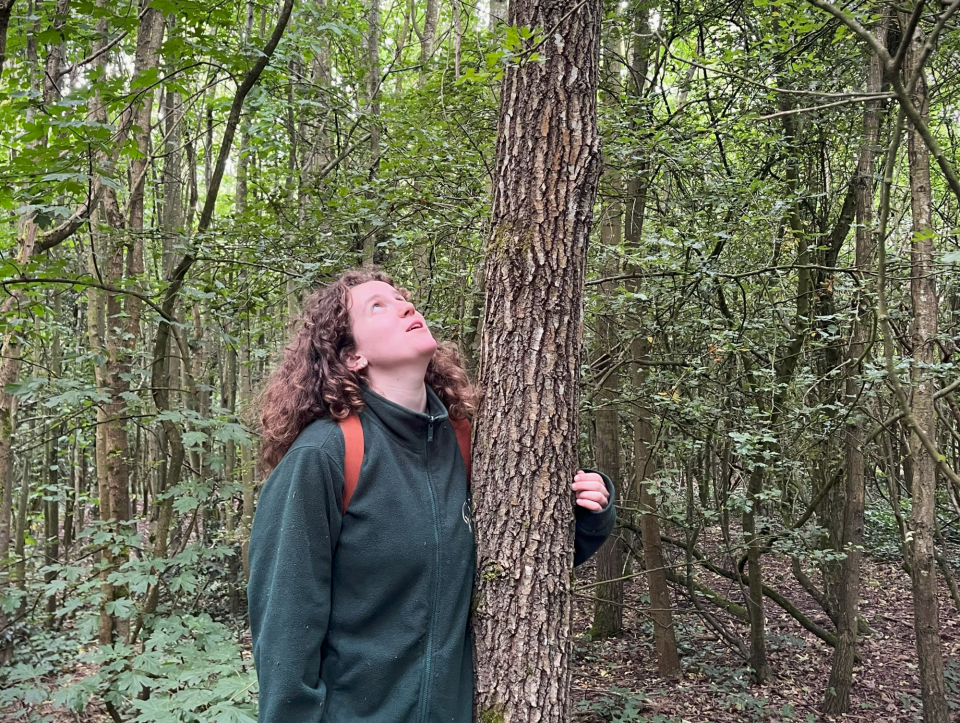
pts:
[407, 390]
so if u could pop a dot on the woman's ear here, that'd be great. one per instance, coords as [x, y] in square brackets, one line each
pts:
[355, 362]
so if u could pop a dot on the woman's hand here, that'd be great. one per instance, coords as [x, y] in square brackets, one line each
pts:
[591, 490]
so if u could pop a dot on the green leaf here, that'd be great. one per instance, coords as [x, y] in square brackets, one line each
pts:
[194, 439]
[185, 504]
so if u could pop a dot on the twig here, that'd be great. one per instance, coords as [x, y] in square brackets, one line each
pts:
[857, 99]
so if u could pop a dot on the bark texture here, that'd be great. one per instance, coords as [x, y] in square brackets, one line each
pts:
[923, 292]
[545, 183]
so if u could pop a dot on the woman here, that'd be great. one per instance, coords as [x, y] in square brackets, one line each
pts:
[362, 614]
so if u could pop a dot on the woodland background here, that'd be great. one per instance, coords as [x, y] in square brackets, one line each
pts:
[772, 312]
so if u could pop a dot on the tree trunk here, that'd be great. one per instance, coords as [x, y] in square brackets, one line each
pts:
[758, 645]
[10, 363]
[837, 699]
[661, 613]
[51, 497]
[608, 605]
[548, 164]
[498, 12]
[23, 507]
[428, 38]
[923, 292]
[246, 456]
[371, 236]
[6, 8]
[784, 368]
[171, 220]
[664, 635]
[228, 400]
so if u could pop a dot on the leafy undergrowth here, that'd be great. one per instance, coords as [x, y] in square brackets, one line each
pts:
[617, 679]
[199, 670]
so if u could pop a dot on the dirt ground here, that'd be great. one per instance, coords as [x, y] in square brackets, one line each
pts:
[620, 674]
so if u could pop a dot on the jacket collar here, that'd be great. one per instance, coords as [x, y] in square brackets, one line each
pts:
[409, 427]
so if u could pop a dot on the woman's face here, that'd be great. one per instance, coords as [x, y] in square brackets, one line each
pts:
[388, 331]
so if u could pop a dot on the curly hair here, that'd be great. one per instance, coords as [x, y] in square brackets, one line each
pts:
[314, 381]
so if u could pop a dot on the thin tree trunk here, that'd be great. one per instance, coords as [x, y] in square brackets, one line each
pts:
[784, 368]
[923, 292]
[498, 12]
[428, 37]
[160, 377]
[69, 503]
[12, 345]
[837, 698]
[6, 9]
[608, 606]
[228, 400]
[371, 236]
[548, 166]
[246, 457]
[171, 220]
[664, 634]
[23, 507]
[51, 501]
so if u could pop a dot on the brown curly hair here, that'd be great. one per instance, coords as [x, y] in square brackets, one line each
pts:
[313, 380]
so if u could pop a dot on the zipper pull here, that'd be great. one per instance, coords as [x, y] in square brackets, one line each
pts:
[430, 430]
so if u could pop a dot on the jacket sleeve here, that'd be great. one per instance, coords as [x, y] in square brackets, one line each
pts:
[294, 535]
[593, 528]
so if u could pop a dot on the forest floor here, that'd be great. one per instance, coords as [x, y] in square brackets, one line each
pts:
[617, 679]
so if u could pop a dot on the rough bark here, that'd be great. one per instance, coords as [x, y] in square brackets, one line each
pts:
[923, 293]
[837, 698]
[546, 176]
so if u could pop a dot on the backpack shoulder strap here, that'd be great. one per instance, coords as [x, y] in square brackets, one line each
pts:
[462, 429]
[353, 456]
[353, 452]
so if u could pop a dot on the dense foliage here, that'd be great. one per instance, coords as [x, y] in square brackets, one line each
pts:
[157, 246]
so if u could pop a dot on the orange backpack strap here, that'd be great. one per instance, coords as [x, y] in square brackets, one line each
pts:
[462, 429]
[353, 452]
[353, 456]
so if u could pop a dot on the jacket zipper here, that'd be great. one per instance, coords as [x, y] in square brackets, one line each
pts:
[428, 680]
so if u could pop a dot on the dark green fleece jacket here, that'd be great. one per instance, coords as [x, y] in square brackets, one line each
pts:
[363, 616]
